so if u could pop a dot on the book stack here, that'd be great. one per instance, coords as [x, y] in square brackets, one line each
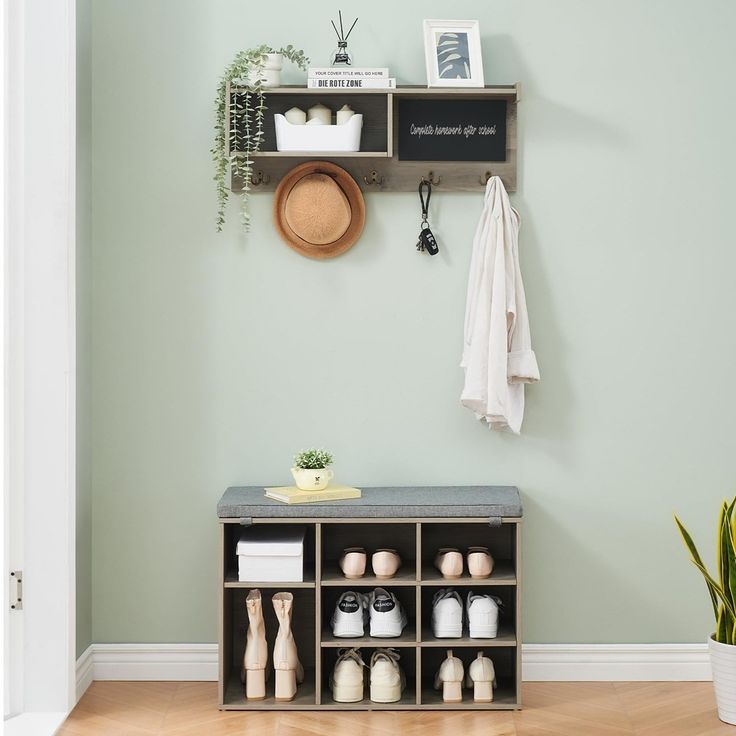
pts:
[346, 77]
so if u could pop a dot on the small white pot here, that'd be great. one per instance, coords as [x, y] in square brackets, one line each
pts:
[271, 73]
[723, 664]
[312, 480]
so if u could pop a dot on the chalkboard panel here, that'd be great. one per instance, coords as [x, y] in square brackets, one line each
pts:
[452, 130]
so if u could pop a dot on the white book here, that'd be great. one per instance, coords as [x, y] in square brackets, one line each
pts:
[348, 71]
[386, 83]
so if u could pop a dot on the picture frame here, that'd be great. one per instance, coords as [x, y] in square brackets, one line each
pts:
[452, 53]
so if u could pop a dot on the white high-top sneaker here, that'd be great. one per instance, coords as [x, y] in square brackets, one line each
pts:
[449, 677]
[348, 677]
[482, 615]
[350, 615]
[387, 615]
[447, 614]
[482, 678]
[387, 678]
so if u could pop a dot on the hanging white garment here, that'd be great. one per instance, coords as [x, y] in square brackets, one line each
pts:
[497, 354]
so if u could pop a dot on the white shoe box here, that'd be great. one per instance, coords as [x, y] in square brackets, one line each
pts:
[271, 553]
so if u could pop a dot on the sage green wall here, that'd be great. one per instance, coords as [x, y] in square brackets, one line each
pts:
[84, 326]
[216, 357]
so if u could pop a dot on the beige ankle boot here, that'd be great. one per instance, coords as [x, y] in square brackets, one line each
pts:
[289, 670]
[255, 658]
[449, 678]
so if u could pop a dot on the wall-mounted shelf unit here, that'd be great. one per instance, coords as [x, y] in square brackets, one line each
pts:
[379, 166]
[416, 522]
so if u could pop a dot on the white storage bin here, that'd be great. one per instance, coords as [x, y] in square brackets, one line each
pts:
[345, 137]
[268, 553]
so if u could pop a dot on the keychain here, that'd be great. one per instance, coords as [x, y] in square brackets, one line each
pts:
[426, 239]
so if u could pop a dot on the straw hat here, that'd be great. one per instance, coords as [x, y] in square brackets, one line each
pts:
[319, 210]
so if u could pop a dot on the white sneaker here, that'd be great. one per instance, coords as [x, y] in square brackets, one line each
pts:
[387, 615]
[482, 615]
[387, 678]
[348, 620]
[447, 614]
[348, 677]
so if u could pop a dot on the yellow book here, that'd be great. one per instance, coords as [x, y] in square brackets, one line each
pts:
[292, 494]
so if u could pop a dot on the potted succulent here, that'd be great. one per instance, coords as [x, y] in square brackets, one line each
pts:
[310, 470]
[722, 643]
[253, 71]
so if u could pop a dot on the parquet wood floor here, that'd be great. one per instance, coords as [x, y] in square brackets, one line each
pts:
[550, 709]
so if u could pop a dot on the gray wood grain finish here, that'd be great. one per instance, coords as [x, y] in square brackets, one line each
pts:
[421, 653]
[376, 167]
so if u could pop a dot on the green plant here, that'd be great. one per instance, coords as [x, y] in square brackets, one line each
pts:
[723, 591]
[312, 459]
[246, 122]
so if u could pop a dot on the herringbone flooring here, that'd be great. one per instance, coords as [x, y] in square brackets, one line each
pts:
[550, 709]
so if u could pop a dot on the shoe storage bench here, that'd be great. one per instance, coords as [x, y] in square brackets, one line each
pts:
[414, 521]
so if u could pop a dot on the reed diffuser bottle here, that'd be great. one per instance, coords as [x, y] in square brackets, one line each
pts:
[341, 56]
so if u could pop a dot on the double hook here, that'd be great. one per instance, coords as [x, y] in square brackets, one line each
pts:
[258, 177]
[373, 178]
[430, 179]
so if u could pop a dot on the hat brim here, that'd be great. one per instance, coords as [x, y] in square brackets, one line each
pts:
[353, 194]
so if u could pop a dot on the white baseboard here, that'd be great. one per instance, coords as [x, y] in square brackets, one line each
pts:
[615, 662]
[546, 662]
[85, 671]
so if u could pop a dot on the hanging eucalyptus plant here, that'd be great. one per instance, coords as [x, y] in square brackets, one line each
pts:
[245, 133]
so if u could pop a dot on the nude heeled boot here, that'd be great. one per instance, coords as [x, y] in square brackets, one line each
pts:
[289, 670]
[255, 658]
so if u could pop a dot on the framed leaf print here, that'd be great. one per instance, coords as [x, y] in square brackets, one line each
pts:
[452, 53]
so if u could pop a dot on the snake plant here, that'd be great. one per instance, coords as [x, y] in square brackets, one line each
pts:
[722, 591]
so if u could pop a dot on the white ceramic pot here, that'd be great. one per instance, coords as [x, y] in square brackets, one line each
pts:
[723, 664]
[312, 480]
[271, 73]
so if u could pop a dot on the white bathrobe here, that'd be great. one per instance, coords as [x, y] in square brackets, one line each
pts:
[497, 355]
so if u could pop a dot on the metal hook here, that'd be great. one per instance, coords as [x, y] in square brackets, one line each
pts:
[485, 177]
[258, 177]
[373, 178]
[430, 178]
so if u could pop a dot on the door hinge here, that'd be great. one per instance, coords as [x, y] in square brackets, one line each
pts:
[16, 602]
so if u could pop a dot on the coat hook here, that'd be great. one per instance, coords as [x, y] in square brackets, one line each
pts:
[258, 177]
[485, 177]
[430, 178]
[373, 178]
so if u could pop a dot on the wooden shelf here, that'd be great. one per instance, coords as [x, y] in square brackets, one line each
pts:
[505, 638]
[231, 581]
[504, 698]
[510, 91]
[406, 576]
[378, 167]
[235, 695]
[314, 601]
[503, 574]
[408, 638]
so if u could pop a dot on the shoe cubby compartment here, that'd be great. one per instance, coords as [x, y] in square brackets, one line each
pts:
[506, 636]
[235, 627]
[371, 537]
[504, 663]
[231, 535]
[406, 597]
[410, 521]
[407, 662]
[500, 540]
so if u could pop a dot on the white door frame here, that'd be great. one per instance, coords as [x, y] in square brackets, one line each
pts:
[40, 346]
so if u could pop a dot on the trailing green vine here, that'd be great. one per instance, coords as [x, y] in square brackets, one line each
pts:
[233, 148]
